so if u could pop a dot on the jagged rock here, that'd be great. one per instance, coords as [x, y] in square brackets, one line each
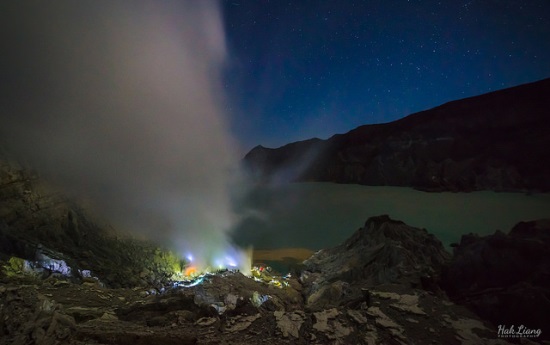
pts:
[338, 330]
[158, 321]
[15, 266]
[383, 251]
[257, 300]
[30, 317]
[371, 338]
[206, 321]
[82, 314]
[184, 316]
[322, 318]
[240, 323]
[357, 316]
[219, 307]
[109, 317]
[382, 319]
[326, 323]
[405, 303]
[504, 278]
[230, 301]
[327, 296]
[289, 323]
[465, 331]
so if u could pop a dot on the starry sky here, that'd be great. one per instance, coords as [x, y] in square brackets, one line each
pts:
[311, 68]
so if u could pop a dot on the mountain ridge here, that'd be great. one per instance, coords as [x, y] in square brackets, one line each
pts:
[492, 141]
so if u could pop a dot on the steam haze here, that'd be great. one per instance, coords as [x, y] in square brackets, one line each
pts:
[121, 102]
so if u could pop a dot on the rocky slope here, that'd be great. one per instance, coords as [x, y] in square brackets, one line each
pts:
[41, 226]
[376, 288]
[496, 141]
[384, 251]
[504, 278]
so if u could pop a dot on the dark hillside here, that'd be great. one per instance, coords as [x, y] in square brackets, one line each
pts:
[496, 141]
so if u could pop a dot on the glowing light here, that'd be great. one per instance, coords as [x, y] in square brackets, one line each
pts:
[191, 270]
[205, 259]
[191, 282]
[230, 261]
[194, 282]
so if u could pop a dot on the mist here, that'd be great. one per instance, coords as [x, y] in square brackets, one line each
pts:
[122, 103]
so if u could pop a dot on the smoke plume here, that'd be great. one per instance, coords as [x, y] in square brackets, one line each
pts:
[122, 102]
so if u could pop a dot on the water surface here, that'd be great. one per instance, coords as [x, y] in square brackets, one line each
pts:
[318, 215]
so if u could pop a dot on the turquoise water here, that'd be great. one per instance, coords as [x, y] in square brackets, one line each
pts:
[320, 215]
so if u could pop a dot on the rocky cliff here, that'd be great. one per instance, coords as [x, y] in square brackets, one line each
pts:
[496, 141]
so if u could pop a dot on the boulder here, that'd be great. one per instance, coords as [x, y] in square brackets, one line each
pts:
[504, 278]
[383, 251]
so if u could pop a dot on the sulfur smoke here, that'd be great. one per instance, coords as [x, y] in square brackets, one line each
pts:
[122, 102]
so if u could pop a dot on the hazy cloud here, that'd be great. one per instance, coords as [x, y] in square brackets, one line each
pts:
[121, 101]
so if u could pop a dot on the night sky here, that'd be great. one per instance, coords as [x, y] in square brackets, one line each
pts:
[310, 68]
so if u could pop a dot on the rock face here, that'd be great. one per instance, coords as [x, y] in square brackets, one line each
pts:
[383, 251]
[496, 141]
[505, 278]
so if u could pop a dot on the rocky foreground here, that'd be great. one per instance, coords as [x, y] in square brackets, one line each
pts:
[387, 284]
[66, 280]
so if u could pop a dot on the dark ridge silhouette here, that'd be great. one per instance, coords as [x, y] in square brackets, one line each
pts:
[496, 141]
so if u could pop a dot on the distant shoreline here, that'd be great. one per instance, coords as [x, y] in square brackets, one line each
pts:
[317, 215]
[282, 254]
